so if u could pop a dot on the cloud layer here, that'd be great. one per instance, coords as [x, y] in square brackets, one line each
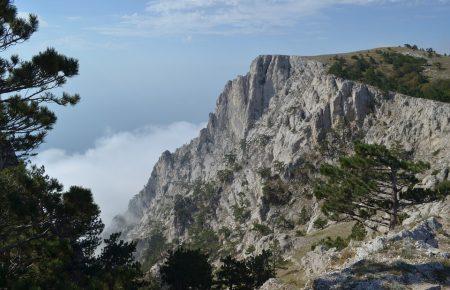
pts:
[181, 17]
[118, 166]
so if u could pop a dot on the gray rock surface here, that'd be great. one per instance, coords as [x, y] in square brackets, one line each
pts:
[278, 116]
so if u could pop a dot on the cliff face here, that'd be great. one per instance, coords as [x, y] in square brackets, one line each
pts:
[272, 127]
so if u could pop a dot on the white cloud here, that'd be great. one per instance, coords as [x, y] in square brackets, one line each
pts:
[119, 165]
[187, 17]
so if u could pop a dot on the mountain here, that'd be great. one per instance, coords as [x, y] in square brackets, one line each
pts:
[245, 183]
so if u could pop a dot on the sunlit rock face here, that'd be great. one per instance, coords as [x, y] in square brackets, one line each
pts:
[277, 117]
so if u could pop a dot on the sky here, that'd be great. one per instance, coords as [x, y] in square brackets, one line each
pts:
[150, 71]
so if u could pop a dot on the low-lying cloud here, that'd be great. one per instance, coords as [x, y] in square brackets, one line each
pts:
[118, 165]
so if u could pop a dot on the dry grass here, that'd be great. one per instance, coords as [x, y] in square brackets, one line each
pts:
[293, 274]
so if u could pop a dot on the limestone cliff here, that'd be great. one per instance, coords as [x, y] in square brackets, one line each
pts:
[272, 127]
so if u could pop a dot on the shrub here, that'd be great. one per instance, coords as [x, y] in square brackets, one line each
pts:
[264, 172]
[300, 233]
[304, 216]
[230, 158]
[225, 232]
[240, 212]
[263, 140]
[443, 189]
[400, 73]
[358, 232]
[320, 223]
[250, 249]
[225, 175]
[285, 223]
[275, 192]
[262, 229]
[279, 166]
[328, 243]
[187, 269]
[183, 209]
[155, 246]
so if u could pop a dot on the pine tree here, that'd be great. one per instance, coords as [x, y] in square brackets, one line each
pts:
[186, 269]
[371, 185]
[234, 274]
[25, 85]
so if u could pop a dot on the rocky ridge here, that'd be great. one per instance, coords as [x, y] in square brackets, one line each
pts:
[271, 129]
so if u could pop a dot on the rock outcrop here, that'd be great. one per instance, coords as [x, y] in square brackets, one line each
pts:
[272, 127]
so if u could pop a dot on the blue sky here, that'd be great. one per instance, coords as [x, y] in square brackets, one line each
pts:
[155, 62]
[146, 66]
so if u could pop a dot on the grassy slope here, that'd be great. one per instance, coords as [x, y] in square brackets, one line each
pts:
[293, 274]
[431, 70]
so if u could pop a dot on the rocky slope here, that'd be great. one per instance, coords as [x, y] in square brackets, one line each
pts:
[270, 131]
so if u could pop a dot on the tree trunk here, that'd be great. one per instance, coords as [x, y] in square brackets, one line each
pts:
[395, 203]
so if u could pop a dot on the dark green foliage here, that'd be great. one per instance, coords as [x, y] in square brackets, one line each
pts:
[396, 72]
[300, 233]
[250, 273]
[154, 246]
[264, 172]
[358, 232]
[374, 180]
[285, 223]
[230, 159]
[263, 140]
[48, 237]
[233, 274]
[275, 191]
[262, 268]
[320, 223]
[26, 86]
[262, 229]
[116, 266]
[225, 175]
[186, 269]
[304, 216]
[241, 213]
[329, 243]
[184, 207]
[438, 90]
[443, 189]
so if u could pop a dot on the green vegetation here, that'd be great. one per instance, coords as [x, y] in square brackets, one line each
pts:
[275, 191]
[247, 274]
[300, 233]
[263, 230]
[187, 269]
[374, 180]
[190, 269]
[26, 85]
[241, 213]
[48, 237]
[320, 223]
[183, 209]
[154, 247]
[225, 175]
[393, 71]
[264, 172]
[329, 243]
[358, 232]
[263, 140]
[305, 216]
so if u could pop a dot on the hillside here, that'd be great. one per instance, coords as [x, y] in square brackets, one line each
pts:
[245, 184]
